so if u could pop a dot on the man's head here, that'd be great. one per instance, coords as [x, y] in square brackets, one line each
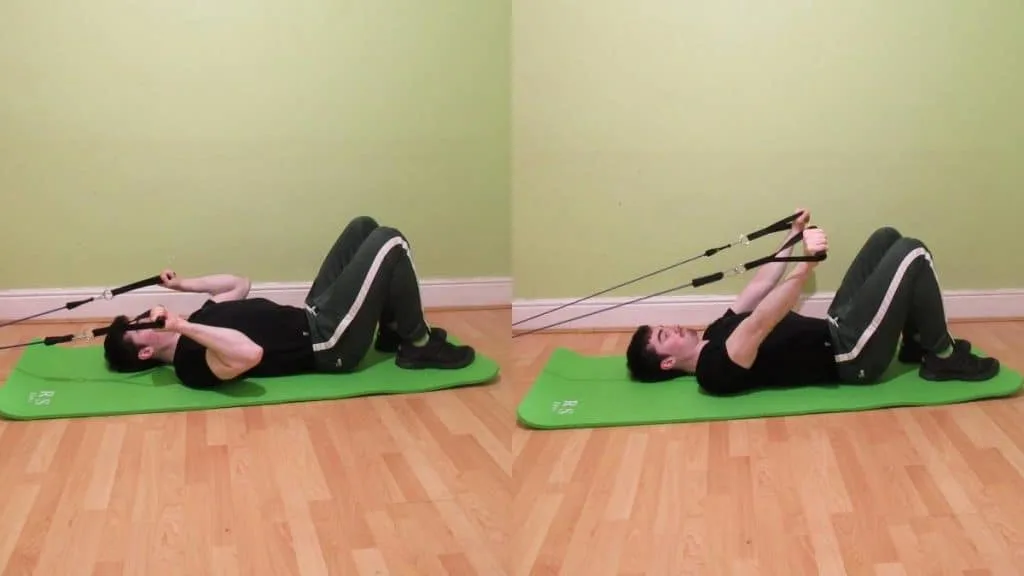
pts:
[658, 353]
[133, 350]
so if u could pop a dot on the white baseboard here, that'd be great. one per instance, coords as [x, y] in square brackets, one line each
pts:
[437, 293]
[702, 310]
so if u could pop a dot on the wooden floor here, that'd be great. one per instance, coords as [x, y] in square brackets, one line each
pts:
[894, 492]
[447, 484]
[401, 485]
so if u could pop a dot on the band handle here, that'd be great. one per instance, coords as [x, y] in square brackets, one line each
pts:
[52, 340]
[159, 323]
[151, 281]
[715, 277]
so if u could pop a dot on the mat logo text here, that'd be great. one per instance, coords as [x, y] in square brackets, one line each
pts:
[42, 398]
[564, 407]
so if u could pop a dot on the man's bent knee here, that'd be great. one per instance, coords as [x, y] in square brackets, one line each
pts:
[385, 234]
[363, 222]
[888, 233]
[907, 245]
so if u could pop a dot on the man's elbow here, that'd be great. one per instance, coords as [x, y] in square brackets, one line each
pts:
[239, 290]
[242, 287]
[252, 357]
[743, 344]
[242, 361]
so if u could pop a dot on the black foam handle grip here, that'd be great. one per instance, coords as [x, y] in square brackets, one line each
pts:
[712, 251]
[51, 340]
[707, 279]
[151, 281]
[77, 303]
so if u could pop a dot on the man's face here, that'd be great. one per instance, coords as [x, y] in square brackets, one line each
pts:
[674, 342]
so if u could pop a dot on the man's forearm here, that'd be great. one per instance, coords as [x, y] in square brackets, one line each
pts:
[768, 275]
[230, 346]
[214, 284]
[783, 298]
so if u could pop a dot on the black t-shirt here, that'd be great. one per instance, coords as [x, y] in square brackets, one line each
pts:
[797, 352]
[282, 331]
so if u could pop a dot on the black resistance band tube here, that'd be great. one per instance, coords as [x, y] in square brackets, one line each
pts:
[106, 295]
[87, 335]
[781, 225]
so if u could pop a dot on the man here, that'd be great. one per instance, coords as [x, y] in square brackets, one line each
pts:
[366, 285]
[890, 291]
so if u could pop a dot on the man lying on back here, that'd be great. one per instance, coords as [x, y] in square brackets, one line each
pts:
[889, 293]
[366, 286]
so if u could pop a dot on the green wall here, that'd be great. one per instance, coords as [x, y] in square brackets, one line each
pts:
[646, 132]
[242, 136]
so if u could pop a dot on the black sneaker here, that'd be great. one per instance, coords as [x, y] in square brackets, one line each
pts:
[962, 364]
[388, 340]
[436, 353]
[911, 351]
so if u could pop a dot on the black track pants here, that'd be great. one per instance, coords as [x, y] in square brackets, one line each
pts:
[890, 291]
[366, 279]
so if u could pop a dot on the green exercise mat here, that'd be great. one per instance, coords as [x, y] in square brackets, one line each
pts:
[66, 382]
[577, 391]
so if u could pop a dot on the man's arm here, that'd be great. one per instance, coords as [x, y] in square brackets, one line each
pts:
[744, 342]
[763, 282]
[229, 353]
[220, 287]
[768, 275]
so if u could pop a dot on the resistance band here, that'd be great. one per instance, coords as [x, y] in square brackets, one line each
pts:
[106, 295]
[745, 239]
[86, 335]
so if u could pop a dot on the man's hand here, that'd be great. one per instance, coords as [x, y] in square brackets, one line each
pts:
[801, 221]
[172, 322]
[170, 280]
[815, 242]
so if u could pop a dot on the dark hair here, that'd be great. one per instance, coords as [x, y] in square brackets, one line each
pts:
[643, 362]
[122, 355]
